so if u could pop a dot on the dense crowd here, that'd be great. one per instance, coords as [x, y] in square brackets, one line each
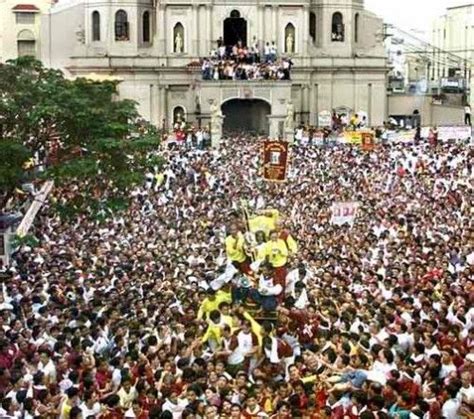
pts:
[155, 312]
[239, 62]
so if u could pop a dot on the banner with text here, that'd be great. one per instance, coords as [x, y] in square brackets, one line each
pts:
[447, 133]
[353, 137]
[275, 160]
[324, 119]
[344, 212]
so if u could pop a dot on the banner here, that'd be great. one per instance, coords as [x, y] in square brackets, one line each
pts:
[30, 215]
[461, 133]
[318, 138]
[368, 141]
[401, 136]
[353, 137]
[324, 119]
[344, 212]
[275, 160]
[445, 133]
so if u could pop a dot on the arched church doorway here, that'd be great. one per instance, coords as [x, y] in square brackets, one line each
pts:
[235, 29]
[249, 115]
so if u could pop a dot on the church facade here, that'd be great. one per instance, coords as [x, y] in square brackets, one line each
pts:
[154, 47]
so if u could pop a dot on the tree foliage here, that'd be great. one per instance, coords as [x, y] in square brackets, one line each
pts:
[75, 130]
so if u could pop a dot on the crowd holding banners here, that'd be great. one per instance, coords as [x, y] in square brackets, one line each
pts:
[142, 316]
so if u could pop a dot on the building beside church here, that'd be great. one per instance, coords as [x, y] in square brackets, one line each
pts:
[154, 47]
[453, 55]
[20, 28]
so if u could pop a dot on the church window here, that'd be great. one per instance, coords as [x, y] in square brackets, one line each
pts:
[146, 27]
[312, 26]
[356, 28]
[95, 26]
[26, 43]
[337, 27]
[122, 32]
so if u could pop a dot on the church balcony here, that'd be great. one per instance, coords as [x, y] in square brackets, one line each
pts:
[242, 83]
[240, 2]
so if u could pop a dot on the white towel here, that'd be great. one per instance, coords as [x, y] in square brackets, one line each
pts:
[226, 277]
[273, 352]
[302, 301]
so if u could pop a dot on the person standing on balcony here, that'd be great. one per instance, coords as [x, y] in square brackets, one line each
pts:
[467, 114]
[273, 52]
[266, 52]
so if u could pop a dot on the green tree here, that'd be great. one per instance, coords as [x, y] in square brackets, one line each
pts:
[76, 130]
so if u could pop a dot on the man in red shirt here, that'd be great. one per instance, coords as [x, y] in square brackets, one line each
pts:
[305, 322]
[279, 353]
[7, 355]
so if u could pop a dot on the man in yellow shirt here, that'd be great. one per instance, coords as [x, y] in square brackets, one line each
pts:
[70, 400]
[212, 301]
[216, 323]
[286, 236]
[265, 220]
[235, 250]
[276, 253]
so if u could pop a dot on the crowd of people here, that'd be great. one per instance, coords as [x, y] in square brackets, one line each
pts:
[218, 295]
[240, 62]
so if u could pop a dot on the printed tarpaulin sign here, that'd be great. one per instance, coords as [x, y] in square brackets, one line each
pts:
[324, 119]
[275, 160]
[353, 137]
[344, 212]
[446, 133]
[368, 141]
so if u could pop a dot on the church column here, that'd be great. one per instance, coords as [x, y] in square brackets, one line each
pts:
[369, 104]
[163, 111]
[151, 105]
[276, 28]
[313, 107]
[261, 26]
[304, 35]
[168, 119]
[195, 31]
[161, 107]
[155, 118]
[267, 29]
[209, 22]
[162, 30]
[305, 107]
[201, 22]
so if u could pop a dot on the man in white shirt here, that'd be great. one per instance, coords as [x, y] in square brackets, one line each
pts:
[451, 407]
[47, 367]
[466, 392]
[266, 52]
[430, 346]
[174, 405]
[467, 115]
